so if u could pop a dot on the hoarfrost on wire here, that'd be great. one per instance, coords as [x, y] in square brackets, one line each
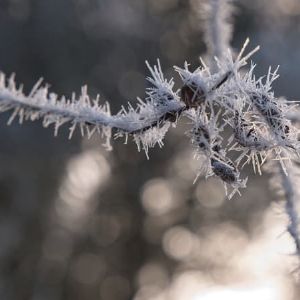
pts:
[210, 100]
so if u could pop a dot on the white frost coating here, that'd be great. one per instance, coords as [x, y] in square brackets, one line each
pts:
[151, 137]
[219, 84]
[88, 115]
[162, 90]
[197, 79]
[211, 100]
[285, 185]
[291, 206]
[205, 137]
[218, 28]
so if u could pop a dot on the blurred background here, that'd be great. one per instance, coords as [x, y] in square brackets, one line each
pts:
[77, 222]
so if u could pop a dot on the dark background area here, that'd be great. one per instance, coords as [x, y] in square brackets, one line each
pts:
[77, 222]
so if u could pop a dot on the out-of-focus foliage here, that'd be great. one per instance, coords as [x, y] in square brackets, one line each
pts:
[77, 222]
